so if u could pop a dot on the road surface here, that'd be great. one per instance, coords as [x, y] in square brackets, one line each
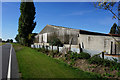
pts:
[9, 65]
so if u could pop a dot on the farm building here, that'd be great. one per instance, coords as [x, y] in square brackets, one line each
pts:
[92, 42]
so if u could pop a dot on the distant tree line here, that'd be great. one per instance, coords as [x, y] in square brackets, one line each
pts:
[0, 40]
[26, 24]
[8, 41]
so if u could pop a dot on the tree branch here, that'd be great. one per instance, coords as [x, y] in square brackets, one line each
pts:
[113, 13]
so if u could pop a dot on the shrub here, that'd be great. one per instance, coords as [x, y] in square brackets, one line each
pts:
[43, 50]
[109, 75]
[72, 62]
[73, 55]
[112, 64]
[118, 73]
[95, 60]
[52, 53]
[83, 55]
[107, 63]
[68, 55]
[55, 52]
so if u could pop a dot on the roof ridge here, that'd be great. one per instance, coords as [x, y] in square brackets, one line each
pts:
[63, 27]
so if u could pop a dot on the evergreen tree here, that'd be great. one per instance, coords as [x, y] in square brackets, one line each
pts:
[26, 22]
[9, 40]
[17, 38]
[113, 29]
[32, 37]
[118, 30]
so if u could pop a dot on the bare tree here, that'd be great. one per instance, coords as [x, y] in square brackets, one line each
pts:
[109, 5]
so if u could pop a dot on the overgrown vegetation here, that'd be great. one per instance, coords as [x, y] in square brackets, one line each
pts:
[75, 55]
[107, 63]
[84, 55]
[55, 41]
[72, 57]
[95, 60]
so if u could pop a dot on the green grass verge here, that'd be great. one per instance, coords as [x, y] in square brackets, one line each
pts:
[33, 64]
[1, 44]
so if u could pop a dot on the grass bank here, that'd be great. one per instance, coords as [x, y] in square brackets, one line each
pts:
[1, 44]
[34, 64]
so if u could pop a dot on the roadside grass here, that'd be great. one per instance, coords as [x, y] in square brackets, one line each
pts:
[34, 64]
[1, 43]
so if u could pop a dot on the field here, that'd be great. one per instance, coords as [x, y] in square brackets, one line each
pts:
[1, 44]
[34, 64]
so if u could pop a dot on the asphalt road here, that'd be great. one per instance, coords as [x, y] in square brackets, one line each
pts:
[0, 62]
[6, 51]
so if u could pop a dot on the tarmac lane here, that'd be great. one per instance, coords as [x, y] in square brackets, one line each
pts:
[0, 62]
[9, 62]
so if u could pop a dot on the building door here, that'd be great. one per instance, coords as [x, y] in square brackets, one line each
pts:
[115, 48]
[111, 50]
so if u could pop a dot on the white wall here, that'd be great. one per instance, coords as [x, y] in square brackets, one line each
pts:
[40, 38]
[97, 43]
[45, 37]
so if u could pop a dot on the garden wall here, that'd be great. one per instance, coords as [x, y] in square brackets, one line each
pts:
[74, 48]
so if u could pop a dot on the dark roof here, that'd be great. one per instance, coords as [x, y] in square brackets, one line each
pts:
[96, 33]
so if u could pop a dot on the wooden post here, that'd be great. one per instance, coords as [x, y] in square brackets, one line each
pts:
[111, 48]
[70, 44]
[80, 48]
[115, 48]
[52, 48]
[103, 55]
[57, 49]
